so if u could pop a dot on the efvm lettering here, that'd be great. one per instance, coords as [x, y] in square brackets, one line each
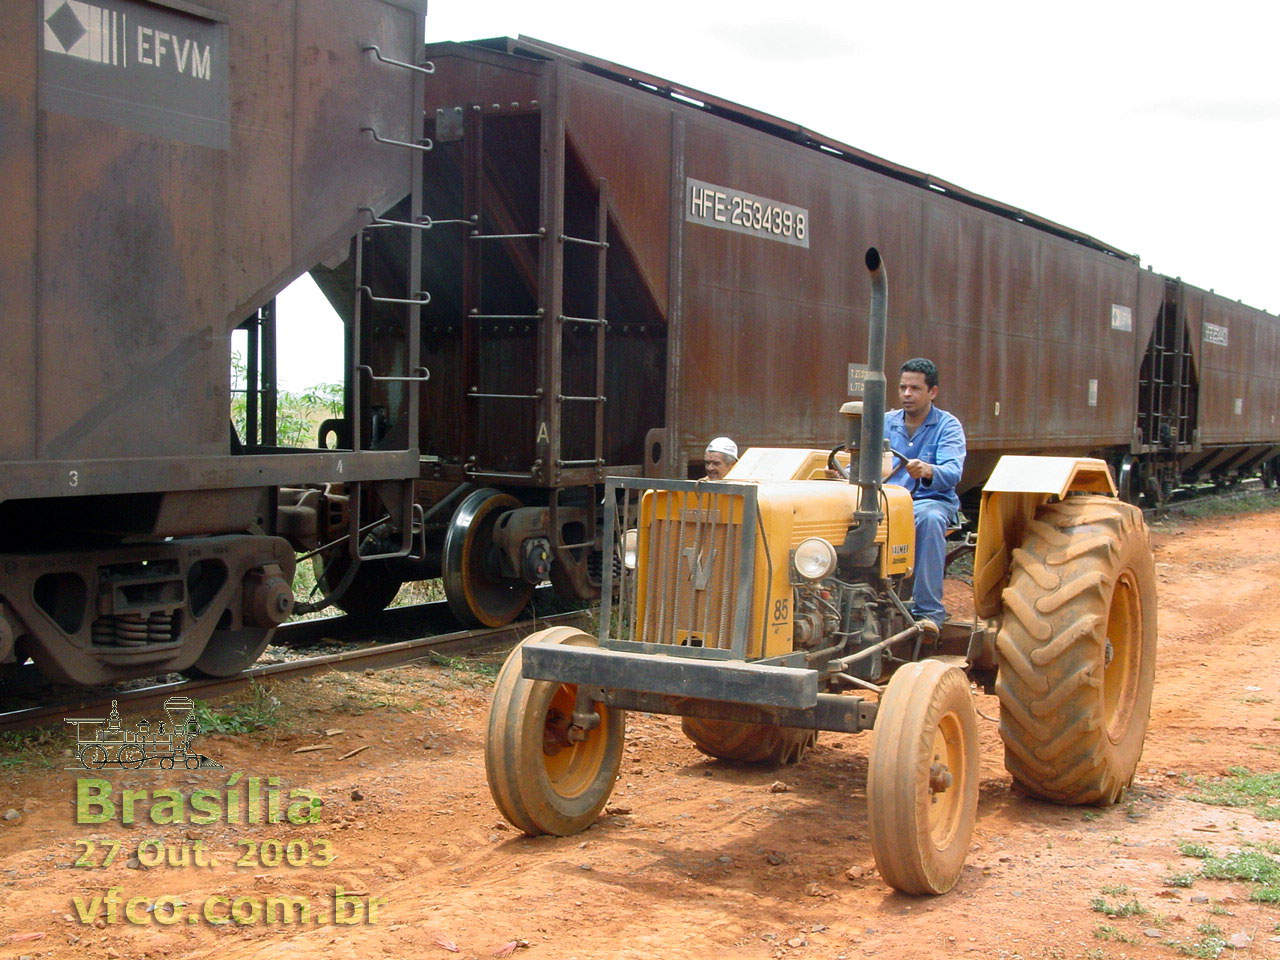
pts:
[167, 51]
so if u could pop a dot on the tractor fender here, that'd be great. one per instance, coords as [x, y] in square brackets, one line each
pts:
[1010, 498]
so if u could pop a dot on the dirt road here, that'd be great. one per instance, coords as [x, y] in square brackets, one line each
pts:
[693, 858]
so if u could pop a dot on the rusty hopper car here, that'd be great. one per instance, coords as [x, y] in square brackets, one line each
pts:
[168, 167]
[622, 268]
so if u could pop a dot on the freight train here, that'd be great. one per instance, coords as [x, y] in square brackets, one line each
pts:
[551, 269]
[623, 268]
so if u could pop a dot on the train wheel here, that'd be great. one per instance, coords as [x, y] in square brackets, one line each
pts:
[166, 763]
[748, 742]
[541, 780]
[229, 652]
[477, 593]
[1076, 651]
[93, 756]
[131, 756]
[922, 782]
[370, 591]
[191, 763]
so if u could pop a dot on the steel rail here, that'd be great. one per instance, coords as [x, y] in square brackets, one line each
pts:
[379, 657]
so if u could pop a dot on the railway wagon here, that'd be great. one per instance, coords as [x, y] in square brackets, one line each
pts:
[168, 167]
[622, 268]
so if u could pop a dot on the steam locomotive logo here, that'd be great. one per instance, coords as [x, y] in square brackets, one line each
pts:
[104, 742]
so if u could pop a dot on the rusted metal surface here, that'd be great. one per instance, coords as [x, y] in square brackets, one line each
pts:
[149, 249]
[798, 134]
[1239, 367]
[18, 51]
[717, 327]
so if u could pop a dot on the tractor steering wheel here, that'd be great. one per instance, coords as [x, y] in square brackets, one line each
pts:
[834, 464]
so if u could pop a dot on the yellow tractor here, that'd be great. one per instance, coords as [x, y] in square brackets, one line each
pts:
[768, 606]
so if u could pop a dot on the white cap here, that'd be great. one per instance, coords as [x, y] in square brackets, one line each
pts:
[723, 445]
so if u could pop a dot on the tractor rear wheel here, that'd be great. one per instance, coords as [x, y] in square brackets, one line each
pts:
[922, 781]
[543, 780]
[748, 742]
[1076, 651]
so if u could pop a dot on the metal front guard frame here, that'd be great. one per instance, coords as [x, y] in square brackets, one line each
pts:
[746, 566]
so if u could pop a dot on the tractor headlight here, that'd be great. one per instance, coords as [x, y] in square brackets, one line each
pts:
[630, 544]
[814, 559]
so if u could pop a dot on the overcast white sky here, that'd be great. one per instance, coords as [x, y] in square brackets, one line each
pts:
[1153, 126]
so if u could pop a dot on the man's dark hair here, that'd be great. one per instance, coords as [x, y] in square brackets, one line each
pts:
[925, 366]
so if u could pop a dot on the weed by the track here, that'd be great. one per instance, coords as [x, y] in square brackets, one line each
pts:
[257, 710]
[1259, 792]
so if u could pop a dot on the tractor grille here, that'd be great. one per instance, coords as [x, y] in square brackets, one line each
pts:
[687, 593]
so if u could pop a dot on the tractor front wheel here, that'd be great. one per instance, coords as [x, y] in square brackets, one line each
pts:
[544, 776]
[922, 781]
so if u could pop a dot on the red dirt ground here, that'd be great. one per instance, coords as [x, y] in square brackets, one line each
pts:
[694, 858]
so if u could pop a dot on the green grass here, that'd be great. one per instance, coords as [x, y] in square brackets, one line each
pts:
[1252, 866]
[1197, 850]
[1258, 792]
[1130, 908]
[1207, 947]
[298, 415]
[38, 746]
[1090, 815]
[477, 667]
[1218, 506]
[1113, 890]
[1179, 880]
[1105, 931]
[258, 711]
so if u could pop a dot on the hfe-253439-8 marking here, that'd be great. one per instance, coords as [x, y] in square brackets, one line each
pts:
[730, 209]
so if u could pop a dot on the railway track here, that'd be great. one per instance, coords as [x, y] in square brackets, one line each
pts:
[1195, 499]
[410, 622]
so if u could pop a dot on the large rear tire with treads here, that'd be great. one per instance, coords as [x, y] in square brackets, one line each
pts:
[748, 742]
[1076, 651]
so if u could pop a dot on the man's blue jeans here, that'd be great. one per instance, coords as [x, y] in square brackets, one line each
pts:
[932, 519]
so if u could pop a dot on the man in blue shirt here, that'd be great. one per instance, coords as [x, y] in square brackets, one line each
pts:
[933, 442]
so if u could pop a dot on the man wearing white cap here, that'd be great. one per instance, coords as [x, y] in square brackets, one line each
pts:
[721, 455]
